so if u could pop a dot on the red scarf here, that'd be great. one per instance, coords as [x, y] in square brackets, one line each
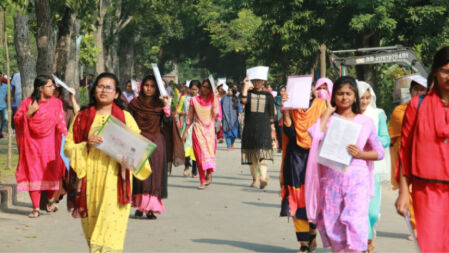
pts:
[81, 129]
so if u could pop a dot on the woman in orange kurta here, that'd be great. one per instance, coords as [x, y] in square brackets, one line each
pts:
[424, 162]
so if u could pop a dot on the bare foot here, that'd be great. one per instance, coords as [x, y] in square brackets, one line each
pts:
[201, 187]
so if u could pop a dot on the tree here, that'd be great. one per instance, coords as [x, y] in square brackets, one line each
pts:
[44, 38]
[24, 49]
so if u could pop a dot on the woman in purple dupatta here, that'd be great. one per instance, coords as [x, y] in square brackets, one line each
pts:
[339, 201]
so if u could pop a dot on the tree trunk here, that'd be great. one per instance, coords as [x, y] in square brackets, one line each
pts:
[64, 45]
[24, 51]
[126, 57]
[44, 39]
[322, 60]
[72, 76]
[98, 35]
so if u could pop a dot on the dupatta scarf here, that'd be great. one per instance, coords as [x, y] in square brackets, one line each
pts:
[49, 116]
[81, 128]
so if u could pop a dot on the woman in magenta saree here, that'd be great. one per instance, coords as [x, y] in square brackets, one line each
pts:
[40, 124]
[203, 111]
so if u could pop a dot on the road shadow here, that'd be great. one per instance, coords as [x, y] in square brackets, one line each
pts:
[231, 178]
[251, 189]
[17, 211]
[260, 204]
[182, 186]
[392, 235]
[245, 245]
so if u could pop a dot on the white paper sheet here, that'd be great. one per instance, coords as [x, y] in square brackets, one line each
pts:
[259, 72]
[159, 82]
[298, 90]
[62, 84]
[134, 85]
[340, 133]
[212, 82]
[123, 144]
[221, 81]
[412, 233]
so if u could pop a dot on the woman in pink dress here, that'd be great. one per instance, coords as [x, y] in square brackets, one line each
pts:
[343, 197]
[40, 125]
[203, 111]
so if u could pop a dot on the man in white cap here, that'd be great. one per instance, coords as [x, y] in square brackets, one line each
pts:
[258, 125]
[418, 87]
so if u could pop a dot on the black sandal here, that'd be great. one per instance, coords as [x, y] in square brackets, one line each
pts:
[151, 216]
[34, 214]
[304, 248]
[138, 214]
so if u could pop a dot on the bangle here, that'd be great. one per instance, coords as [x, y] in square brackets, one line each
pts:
[244, 96]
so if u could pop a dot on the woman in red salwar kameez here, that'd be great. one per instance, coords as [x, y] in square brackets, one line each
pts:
[39, 125]
[424, 159]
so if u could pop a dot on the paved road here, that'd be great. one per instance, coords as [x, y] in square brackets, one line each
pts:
[227, 217]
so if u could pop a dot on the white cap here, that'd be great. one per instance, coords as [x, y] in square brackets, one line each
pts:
[225, 87]
[419, 79]
[221, 81]
[5, 76]
[259, 72]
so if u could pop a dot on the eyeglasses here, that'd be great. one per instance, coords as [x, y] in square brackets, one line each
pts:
[105, 88]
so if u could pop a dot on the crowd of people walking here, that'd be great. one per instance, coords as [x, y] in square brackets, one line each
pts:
[186, 124]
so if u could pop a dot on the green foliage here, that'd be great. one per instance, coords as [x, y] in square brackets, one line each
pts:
[84, 96]
[88, 51]
[11, 48]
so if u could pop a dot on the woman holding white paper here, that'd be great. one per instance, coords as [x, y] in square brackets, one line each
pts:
[258, 129]
[152, 113]
[295, 152]
[381, 168]
[104, 188]
[341, 211]
[204, 110]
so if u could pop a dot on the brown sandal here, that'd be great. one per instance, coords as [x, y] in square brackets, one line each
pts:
[34, 214]
[52, 207]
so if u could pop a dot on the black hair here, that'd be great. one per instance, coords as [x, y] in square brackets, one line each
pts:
[195, 83]
[340, 82]
[440, 59]
[93, 101]
[413, 84]
[206, 80]
[150, 77]
[39, 81]
[235, 99]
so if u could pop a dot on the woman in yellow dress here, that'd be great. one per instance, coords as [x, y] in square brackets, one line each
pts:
[104, 186]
